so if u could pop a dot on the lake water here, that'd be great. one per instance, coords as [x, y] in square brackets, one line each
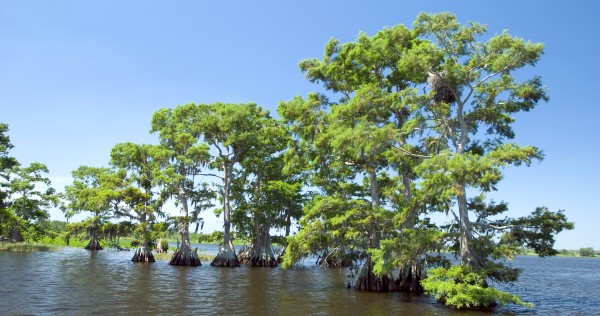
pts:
[79, 282]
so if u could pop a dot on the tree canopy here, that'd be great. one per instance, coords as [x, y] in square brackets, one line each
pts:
[418, 121]
[26, 194]
[412, 121]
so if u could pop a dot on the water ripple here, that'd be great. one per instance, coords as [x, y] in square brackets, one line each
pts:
[75, 282]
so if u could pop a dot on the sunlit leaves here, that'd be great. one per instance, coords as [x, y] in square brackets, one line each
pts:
[462, 287]
[537, 230]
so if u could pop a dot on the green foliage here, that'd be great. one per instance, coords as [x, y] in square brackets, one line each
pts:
[383, 155]
[462, 287]
[25, 247]
[415, 121]
[179, 161]
[348, 146]
[537, 230]
[587, 252]
[26, 194]
[163, 244]
[265, 196]
[214, 237]
[411, 247]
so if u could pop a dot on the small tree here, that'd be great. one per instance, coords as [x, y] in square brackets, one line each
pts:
[232, 131]
[587, 252]
[31, 195]
[474, 94]
[92, 191]
[265, 197]
[134, 197]
[181, 158]
[356, 147]
[25, 195]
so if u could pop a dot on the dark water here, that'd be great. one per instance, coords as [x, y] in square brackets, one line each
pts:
[79, 282]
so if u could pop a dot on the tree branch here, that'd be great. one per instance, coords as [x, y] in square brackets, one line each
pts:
[494, 226]
[409, 153]
[211, 175]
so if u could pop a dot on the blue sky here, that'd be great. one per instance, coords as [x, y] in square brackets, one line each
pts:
[77, 77]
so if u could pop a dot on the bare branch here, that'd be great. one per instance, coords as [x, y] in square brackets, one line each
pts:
[211, 175]
[409, 153]
[494, 226]
[455, 216]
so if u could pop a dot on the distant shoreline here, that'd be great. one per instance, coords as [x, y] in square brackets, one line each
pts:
[44, 246]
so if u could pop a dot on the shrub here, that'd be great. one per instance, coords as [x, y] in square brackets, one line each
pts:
[587, 252]
[462, 287]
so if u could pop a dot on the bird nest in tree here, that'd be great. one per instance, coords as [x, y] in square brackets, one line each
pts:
[441, 87]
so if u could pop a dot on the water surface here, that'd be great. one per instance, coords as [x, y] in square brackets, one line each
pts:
[76, 282]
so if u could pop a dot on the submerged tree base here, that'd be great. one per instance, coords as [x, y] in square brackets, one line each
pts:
[409, 279]
[219, 261]
[225, 258]
[143, 254]
[257, 258]
[185, 258]
[93, 245]
[368, 281]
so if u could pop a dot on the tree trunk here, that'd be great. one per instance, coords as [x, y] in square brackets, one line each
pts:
[288, 225]
[226, 256]
[409, 222]
[15, 235]
[411, 273]
[375, 234]
[260, 253]
[367, 280]
[467, 252]
[94, 243]
[184, 256]
[143, 254]
[409, 279]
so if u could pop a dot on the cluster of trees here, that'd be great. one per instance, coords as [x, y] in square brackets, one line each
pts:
[239, 146]
[588, 252]
[415, 122]
[26, 194]
[411, 122]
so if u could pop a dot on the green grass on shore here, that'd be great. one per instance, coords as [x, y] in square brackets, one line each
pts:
[26, 247]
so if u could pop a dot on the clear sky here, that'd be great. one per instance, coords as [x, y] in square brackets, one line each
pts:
[77, 77]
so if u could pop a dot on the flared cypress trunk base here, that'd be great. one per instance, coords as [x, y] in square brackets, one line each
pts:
[409, 279]
[225, 258]
[368, 281]
[94, 244]
[257, 257]
[185, 258]
[143, 254]
[261, 262]
[225, 262]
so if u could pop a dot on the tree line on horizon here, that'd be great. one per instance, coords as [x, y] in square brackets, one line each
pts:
[411, 122]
